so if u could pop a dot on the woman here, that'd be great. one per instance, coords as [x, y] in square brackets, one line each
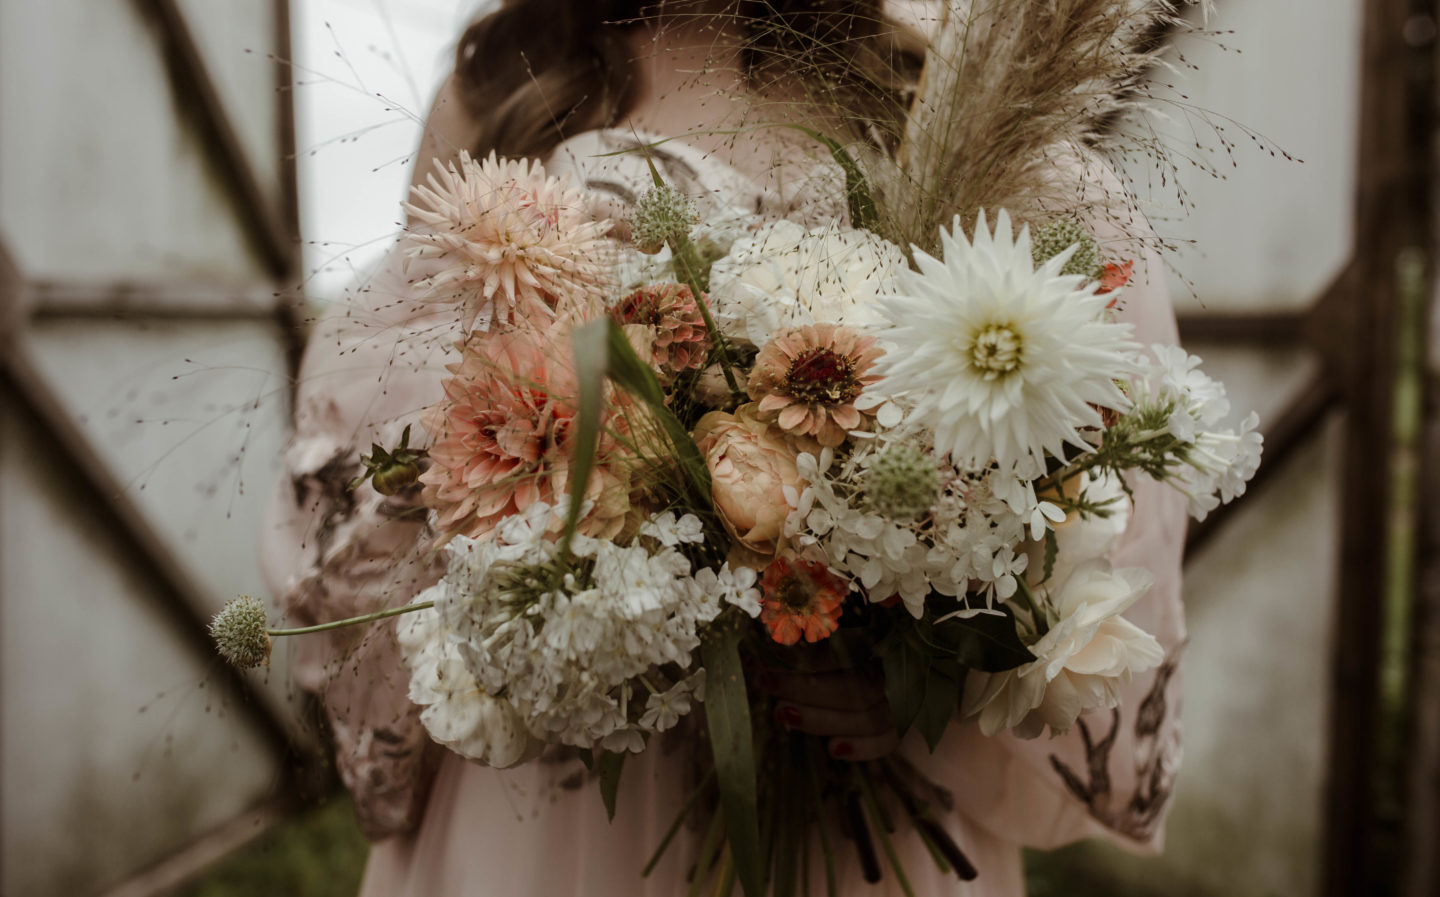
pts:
[572, 82]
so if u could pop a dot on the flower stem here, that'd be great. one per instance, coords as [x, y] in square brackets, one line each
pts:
[679, 819]
[881, 823]
[817, 791]
[354, 621]
[684, 254]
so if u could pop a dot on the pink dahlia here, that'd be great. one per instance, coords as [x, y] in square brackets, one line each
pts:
[806, 380]
[669, 313]
[515, 243]
[502, 439]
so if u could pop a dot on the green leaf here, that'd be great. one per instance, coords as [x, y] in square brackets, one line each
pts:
[610, 765]
[987, 642]
[1052, 550]
[635, 377]
[863, 214]
[727, 710]
[990, 643]
[942, 695]
[903, 658]
[591, 346]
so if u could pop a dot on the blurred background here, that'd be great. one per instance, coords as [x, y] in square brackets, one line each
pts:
[182, 184]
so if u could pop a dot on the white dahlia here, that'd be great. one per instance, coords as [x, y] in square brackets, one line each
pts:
[1001, 360]
[512, 241]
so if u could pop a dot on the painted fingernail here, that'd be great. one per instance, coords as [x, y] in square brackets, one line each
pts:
[789, 716]
[842, 749]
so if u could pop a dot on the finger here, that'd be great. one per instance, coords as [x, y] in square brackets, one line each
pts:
[864, 747]
[838, 690]
[828, 721]
[812, 658]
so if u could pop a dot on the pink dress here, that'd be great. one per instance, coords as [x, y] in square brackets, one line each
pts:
[445, 827]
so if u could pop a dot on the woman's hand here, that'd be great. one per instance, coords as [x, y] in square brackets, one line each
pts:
[822, 696]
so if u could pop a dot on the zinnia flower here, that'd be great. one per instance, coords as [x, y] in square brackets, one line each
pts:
[518, 243]
[1001, 360]
[502, 437]
[801, 598]
[807, 378]
[672, 319]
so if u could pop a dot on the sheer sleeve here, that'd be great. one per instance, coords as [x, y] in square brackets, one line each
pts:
[1112, 774]
[328, 552]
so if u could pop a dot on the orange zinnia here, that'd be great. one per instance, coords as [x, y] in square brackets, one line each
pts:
[801, 598]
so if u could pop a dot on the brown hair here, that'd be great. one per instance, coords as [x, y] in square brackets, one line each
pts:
[536, 71]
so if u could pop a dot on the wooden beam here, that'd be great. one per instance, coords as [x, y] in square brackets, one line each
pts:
[216, 844]
[200, 102]
[290, 311]
[173, 589]
[1392, 218]
[1278, 328]
[206, 299]
[1422, 738]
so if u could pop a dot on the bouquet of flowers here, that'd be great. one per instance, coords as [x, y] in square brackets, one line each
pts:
[662, 461]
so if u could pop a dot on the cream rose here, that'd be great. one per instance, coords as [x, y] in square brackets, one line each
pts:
[751, 463]
[1079, 663]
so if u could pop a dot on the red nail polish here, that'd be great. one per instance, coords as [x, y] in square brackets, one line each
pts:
[842, 749]
[789, 716]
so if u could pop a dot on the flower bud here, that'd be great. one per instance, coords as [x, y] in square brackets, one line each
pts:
[902, 482]
[1059, 234]
[239, 632]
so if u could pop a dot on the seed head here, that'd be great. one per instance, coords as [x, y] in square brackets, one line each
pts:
[902, 482]
[661, 215]
[1059, 234]
[239, 632]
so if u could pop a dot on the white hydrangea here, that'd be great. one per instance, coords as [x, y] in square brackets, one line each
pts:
[969, 542]
[787, 276]
[1088, 651]
[573, 657]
